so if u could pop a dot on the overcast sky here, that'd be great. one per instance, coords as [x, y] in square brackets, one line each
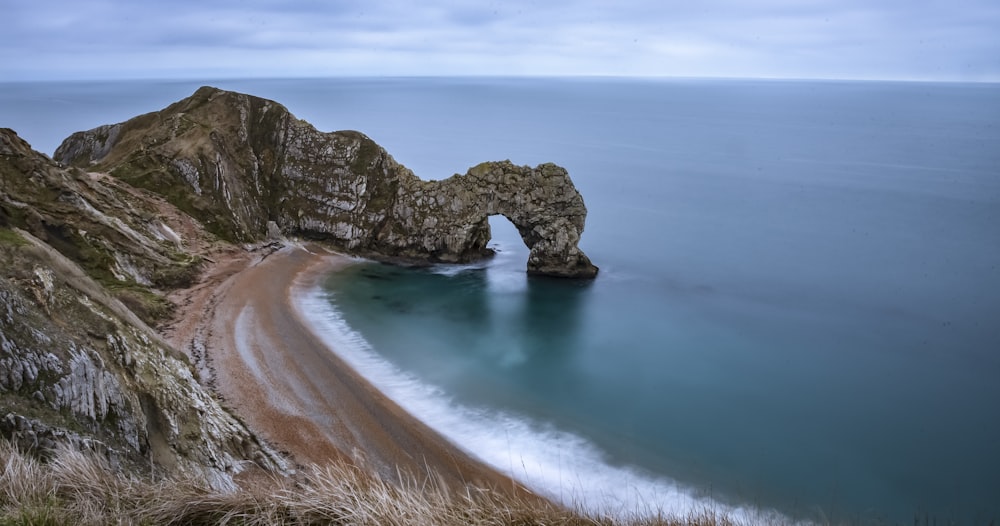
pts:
[857, 39]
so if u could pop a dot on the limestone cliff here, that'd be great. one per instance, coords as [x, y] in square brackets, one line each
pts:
[77, 365]
[119, 235]
[90, 246]
[236, 162]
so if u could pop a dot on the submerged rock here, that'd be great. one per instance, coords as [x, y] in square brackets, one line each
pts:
[237, 162]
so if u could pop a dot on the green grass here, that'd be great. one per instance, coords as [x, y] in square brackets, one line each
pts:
[46, 513]
[11, 238]
[150, 307]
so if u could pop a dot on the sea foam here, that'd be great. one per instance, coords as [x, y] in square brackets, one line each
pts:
[560, 465]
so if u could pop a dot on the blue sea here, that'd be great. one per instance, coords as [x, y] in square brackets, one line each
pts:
[798, 309]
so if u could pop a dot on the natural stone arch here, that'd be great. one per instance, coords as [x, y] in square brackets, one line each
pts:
[451, 217]
[238, 163]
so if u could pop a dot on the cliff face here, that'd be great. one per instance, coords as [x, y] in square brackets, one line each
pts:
[77, 365]
[118, 234]
[86, 259]
[235, 162]
[448, 219]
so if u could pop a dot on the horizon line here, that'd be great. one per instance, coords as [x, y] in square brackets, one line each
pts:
[208, 78]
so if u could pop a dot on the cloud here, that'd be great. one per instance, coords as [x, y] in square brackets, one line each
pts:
[953, 39]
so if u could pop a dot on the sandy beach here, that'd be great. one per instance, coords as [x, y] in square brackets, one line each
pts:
[240, 325]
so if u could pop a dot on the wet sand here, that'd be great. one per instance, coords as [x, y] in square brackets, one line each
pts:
[240, 325]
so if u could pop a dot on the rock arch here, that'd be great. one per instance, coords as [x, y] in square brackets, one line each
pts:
[451, 217]
[238, 163]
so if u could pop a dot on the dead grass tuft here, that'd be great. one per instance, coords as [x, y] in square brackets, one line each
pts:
[81, 488]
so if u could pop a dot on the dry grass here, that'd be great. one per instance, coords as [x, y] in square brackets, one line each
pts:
[78, 488]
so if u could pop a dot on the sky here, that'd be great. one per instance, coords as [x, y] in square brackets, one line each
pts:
[950, 40]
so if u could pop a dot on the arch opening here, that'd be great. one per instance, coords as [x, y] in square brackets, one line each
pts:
[505, 239]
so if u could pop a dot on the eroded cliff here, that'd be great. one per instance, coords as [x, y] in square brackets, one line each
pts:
[236, 162]
[80, 254]
[90, 248]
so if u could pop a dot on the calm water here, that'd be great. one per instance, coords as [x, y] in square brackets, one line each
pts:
[799, 301]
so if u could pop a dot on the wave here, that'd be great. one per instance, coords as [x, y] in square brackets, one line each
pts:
[454, 269]
[560, 465]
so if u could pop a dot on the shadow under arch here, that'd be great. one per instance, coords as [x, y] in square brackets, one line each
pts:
[553, 316]
[552, 309]
[491, 308]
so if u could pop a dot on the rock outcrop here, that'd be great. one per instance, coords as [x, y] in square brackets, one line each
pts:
[120, 236]
[77, 366]
[86, 260]
[90, 245]
[238, 162]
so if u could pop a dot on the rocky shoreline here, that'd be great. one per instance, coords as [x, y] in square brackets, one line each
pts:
[146, 275]
[237, 163]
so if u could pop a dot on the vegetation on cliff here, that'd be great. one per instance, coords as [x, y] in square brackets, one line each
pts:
[236, 162]
[84, 264]
[115, 233]
[102, 421]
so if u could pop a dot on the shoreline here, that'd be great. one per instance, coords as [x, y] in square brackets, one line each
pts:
[240, 326]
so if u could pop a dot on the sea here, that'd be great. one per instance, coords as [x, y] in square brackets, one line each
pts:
[798, 308]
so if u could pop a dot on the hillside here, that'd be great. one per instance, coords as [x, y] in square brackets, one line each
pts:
[96, 248]
[238, 163]
[85, 263]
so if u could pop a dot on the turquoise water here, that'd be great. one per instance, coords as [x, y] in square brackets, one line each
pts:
[799, 299]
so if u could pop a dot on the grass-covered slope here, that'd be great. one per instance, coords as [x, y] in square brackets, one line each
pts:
[120, 236]
[84, 261]
[238, 163]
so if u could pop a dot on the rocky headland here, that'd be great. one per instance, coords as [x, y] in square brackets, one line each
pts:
[237, 163]
[111, 243]
[85, 260]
